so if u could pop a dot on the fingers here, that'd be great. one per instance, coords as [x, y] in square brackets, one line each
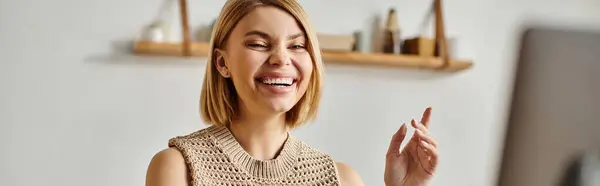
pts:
[419, 126]
[425, 138]
[426, 117]
[428, 156]
[429, 148]
[427, 152]
[397, 139]
[422, 133]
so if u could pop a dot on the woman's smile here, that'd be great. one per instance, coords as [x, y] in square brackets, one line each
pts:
[276, 84]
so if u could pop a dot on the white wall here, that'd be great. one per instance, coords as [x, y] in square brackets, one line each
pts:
[75, 108]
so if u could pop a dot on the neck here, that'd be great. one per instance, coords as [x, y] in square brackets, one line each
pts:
[262, 136]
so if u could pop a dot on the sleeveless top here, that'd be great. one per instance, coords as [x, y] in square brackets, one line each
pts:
[214, 157]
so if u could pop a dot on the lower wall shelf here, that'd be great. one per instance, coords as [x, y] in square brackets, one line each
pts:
[390, 60]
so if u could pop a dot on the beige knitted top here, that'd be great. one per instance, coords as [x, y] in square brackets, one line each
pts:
[214, 157]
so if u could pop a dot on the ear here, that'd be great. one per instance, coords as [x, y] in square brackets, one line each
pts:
[219, 60]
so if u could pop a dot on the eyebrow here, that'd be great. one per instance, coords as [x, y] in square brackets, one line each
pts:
[298, 35]
[265, 35]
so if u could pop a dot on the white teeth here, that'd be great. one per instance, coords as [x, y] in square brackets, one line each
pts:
[285, 81]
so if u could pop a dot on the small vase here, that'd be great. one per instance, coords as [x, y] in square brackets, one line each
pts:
[155, 32]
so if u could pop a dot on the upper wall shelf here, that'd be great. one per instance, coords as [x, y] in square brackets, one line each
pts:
[442, 63]
[380, 59]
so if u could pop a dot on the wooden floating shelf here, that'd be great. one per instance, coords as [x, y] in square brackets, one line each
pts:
[379, 59]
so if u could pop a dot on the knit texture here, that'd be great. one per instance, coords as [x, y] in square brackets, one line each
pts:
[214, 157]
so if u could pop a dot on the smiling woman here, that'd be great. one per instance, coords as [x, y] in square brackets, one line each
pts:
[263, 79]
[261, 57]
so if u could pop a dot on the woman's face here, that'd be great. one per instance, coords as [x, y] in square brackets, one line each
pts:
[267, 59]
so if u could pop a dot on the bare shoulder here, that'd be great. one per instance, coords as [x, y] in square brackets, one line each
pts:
[167, 167]
[348, 176]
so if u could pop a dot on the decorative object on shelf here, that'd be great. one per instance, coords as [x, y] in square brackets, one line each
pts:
[155, 32]
[421, 46]
[391, 42]
[188, 48]
[426, 47]
[452, 47]
[358, 39]
[339, 43]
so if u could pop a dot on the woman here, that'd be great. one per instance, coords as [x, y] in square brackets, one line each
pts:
[263, 79]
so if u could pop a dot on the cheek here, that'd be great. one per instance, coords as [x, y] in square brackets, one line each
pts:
[245, 63]
[305, 67]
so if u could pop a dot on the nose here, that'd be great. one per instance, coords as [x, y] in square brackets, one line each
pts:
[280, 56]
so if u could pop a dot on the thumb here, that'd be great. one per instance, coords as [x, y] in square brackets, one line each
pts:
[397, 139]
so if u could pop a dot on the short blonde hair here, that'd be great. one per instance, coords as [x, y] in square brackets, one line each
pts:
[219, 100]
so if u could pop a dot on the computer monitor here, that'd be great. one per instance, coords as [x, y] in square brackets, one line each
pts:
[555, 111]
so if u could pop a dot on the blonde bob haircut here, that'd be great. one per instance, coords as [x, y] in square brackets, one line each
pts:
[218, 98]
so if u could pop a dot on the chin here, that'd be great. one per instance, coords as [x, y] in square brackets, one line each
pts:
[280, 106]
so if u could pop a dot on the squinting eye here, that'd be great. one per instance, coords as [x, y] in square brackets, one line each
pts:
[298, 47]
[257, 45]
